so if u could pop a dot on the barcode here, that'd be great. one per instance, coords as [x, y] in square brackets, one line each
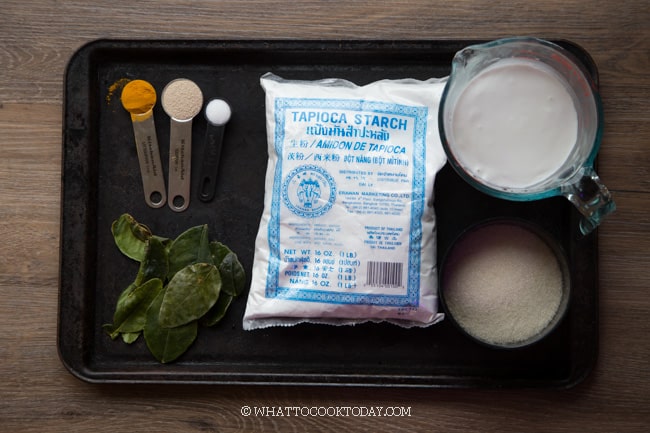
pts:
[384, 274]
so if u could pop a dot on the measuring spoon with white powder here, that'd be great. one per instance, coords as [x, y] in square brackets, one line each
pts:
[182, 100]
[138, 98]
[217, 113]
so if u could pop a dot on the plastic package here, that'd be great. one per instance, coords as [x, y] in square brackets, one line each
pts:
[348, 232]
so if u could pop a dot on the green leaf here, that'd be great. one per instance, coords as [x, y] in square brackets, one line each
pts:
[130, 236]
[167, 344]
[130, 314]
[190, 294]
[188, 248]
[218, 251]
[233, 277]
[218, 311]
[109, 329]
[203, 254]
[130, 337]
[165, 241]
[126, 292]
[179, 283]
[155, 263]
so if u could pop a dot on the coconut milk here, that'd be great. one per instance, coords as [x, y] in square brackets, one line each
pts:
[514, 125]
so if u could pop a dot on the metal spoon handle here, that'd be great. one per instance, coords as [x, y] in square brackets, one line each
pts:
[153, 182]
[180, 163]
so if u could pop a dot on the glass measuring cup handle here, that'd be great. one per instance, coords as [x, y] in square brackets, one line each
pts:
[591, 197]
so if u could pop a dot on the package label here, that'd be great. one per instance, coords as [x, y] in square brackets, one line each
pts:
[337, 158]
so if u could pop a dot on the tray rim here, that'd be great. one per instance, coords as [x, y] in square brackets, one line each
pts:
[82, 370]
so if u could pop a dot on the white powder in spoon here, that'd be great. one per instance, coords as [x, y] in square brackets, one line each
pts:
[218, 112]
[503, 284]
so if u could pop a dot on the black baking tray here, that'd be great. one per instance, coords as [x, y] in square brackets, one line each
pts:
[101, 181]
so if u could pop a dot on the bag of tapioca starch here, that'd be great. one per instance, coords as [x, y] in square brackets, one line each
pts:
[348, 230]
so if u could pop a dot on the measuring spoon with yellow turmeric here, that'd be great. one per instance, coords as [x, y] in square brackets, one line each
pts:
[138, 98]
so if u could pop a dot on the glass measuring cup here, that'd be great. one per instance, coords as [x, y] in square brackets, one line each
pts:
[573, 176]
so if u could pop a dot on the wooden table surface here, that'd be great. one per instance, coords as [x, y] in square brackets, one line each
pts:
[38, 394]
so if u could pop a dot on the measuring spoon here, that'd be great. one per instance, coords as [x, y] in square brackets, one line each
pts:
[182, 101]
[217, 113]
[144, 131]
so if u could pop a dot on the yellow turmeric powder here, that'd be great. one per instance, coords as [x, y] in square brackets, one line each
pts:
[118, 85]
[138, 98]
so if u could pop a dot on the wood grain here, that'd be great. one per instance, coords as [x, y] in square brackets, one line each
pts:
[38, 394]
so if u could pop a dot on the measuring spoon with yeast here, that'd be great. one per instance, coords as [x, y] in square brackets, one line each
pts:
[182, 100]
